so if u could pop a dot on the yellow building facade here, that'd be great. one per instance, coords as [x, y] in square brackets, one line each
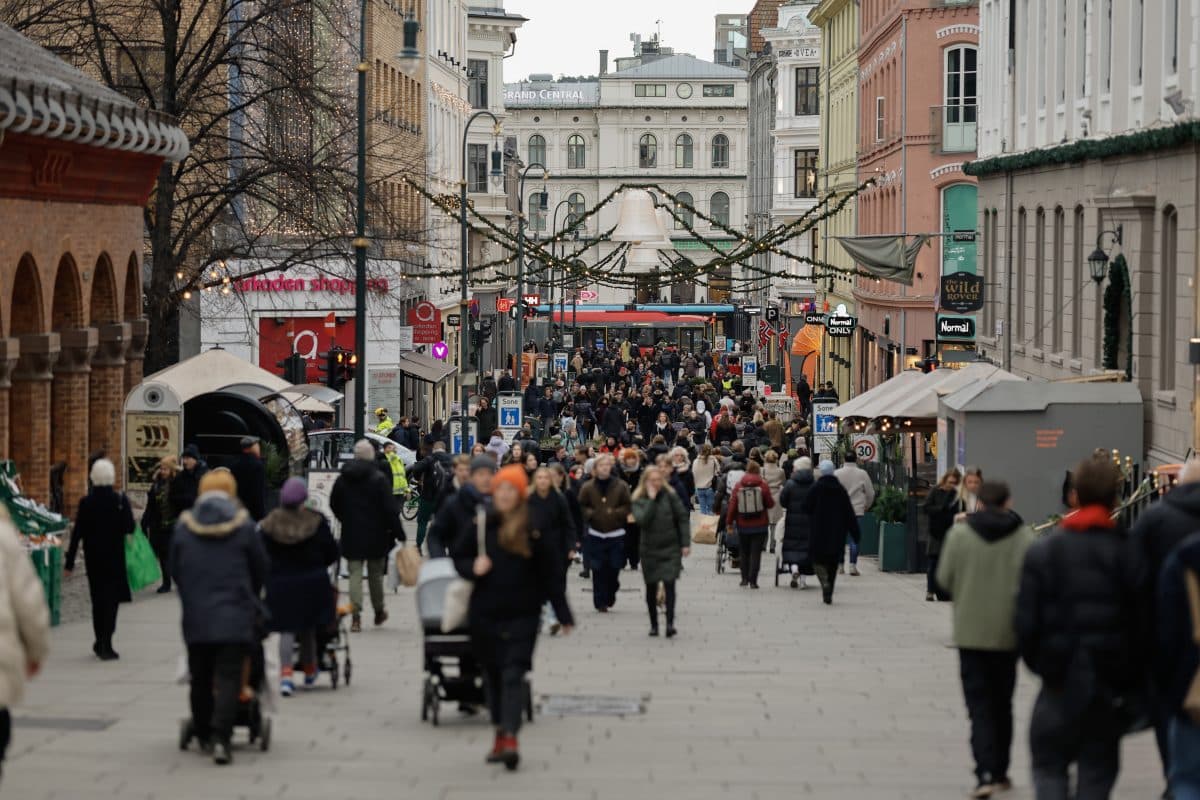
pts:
[838, 21]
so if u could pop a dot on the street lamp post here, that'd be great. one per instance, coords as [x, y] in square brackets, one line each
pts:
[360, 242]
[520, 343]
[554, 228]
[464, 315]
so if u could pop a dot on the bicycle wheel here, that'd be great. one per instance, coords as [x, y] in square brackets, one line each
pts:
[408, 511]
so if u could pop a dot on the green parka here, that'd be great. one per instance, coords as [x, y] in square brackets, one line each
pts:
[665, 526]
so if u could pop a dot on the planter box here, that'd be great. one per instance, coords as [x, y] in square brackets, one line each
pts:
[893, 547]
[869, 541]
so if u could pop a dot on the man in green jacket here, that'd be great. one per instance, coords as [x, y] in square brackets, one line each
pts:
[980, 566]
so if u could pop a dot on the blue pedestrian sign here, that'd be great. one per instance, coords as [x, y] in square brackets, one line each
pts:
[560, 362]
[749, 369]
[508, 409]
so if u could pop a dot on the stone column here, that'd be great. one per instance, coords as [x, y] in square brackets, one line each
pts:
[69, 411]
[135, 355]
[29, 412]
[106, 394]
[10, 350]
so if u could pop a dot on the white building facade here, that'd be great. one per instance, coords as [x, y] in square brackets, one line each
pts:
[1090, 134]
[664, 118]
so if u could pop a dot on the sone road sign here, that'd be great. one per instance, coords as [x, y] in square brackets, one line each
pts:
[509, 407]
[749, 368]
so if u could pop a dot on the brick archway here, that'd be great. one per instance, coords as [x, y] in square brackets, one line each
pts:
[66, 311]
[131, 306]
[102, 310]
[26, 306]
[132, 301]
[28, 406]
[69, 384]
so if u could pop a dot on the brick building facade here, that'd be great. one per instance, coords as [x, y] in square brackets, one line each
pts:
[77, 164]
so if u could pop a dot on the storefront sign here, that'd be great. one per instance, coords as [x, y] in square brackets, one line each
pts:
[404, 338]
[279, 337]
[504, 305]
[840, 327]
[814, 318]
[280, 283]
[426, 322]
[962, 292]
[956, 328]
[148, 438]
[588, 296]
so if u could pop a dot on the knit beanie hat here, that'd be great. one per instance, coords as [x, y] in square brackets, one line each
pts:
[218, 480]
[293, 493]
[826, 467]
[514, 475]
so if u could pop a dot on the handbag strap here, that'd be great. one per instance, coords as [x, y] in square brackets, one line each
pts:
[481, 529]
[1193, 591]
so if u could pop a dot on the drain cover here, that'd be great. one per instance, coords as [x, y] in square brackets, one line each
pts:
[64, 723]
[590, 705]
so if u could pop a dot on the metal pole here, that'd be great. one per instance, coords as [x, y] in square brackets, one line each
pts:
[520, 343]
[554, 228]
[360, 238]
[464, 357]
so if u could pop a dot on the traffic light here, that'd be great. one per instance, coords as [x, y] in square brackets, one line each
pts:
[335, 366]
[295, 369]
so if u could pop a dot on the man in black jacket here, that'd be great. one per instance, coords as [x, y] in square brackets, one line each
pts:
[456, 513]
[433, 473]
[363, 503]
[1080, 626]
[251, 477]
[1159, 529]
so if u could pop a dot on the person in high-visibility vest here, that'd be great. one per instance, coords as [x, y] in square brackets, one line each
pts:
[385, 425]
[399, 476]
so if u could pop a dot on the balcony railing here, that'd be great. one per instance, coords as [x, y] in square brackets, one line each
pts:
[954, 128]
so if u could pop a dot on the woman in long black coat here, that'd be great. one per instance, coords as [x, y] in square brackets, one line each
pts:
[102, 522]
[832, 519]
[941, 505]
[797, 525]
[158, 520]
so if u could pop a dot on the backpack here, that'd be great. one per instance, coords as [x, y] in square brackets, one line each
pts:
[750, 501]
[436, 479]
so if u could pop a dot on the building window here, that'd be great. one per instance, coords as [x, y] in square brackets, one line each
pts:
[720, 151]
[719, 208]
[683, 151]
[961, 89]
[805, 169]
[1077, 284]
[1135, 42]
[1022, 268]
[1167, 292]
[1060, 54]
[1081, 66]
[477, 91]
[1106, 47]
[576, 207]
[718, 90]
[1039, 277]
[880, 107]
[649, 90]
[684, 218]
[576, 152]
[808, 86]
[477, 167]
[1041, 79]
[647, 151]
[539, 202]
[537, 150]
[1056, 281]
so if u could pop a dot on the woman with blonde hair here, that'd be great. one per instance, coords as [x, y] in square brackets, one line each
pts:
[775, 477]
[704, 473]
[158, 519]
[665, 531]
[942, 505]
[515, 572]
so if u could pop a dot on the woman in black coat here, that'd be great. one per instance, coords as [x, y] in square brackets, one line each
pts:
[299, 594]
[941, 505]
[797, 525]
[631, 472]
[103, 521]
[832, 519]
[158, 520]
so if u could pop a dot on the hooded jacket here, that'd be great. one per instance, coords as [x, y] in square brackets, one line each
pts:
[750, 523]
[219, 566]
[300, 547]
[363, 502]
[832, 519]
[980, 566]
[1162, 526]
[797, 527]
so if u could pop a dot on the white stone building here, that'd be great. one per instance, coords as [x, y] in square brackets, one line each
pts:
[666, 118]
[1090, 133]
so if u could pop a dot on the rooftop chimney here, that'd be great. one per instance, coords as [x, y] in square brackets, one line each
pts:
[603, 63]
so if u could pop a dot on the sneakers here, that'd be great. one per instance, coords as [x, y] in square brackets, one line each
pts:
[854, 573]
[803, 582]
[356, 624]
[795, 582]
[310, 679]
[930, 597]
[671, 632]
[1005, 785]
[221, 753]
[494, 756]
[381, 617]
[286, 687]
[982, 790]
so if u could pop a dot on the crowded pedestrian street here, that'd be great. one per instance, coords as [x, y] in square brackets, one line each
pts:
[761, 695]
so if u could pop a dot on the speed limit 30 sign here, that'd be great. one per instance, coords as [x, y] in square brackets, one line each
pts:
[866, 448]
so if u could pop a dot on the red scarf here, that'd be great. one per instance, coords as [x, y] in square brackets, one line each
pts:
[1088, 518]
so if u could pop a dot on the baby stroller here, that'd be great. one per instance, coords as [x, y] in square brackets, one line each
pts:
[333, 646]
[252, 709]
[451, 672]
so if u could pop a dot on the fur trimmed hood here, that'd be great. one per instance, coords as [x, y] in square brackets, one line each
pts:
[291, 525]
[215, 514]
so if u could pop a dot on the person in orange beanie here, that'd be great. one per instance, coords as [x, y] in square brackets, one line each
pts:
[515, 568]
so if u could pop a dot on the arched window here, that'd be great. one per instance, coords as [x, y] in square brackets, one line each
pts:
[961, 97]
[720, 151]
[683, 151]
[576, 152]
[718, 208]
[1039, 278]
[1167, 292]
[683, 213]
[537, 149]
[535, 212]
[1057, 278]
[647, 151]
[575, 209]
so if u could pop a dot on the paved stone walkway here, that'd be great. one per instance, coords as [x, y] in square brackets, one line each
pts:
[765, 694]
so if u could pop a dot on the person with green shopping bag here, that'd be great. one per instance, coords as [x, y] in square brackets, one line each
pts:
[102, 522]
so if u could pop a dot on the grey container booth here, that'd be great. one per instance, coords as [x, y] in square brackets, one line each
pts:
[1030, 434]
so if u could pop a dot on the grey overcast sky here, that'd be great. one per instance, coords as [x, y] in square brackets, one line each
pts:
[564, 37]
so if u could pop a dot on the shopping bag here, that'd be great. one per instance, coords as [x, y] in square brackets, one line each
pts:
[706, 530]
[456, 607]
[141, 565]
[393, 574]
[408, 565]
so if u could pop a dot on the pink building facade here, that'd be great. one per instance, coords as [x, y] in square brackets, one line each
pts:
[917, 126]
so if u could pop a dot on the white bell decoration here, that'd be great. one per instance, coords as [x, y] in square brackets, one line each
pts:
[637, 222]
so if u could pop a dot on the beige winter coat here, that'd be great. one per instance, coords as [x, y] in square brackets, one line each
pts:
[24, 617]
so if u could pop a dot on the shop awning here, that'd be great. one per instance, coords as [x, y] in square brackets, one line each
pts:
[218, 370]
[890, 258]
[922, 401]
[888, 391]
[424, 368]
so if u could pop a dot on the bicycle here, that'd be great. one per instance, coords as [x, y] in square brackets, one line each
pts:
[408, 509]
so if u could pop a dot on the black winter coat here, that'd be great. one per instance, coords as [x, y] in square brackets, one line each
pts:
[551, 517]
[486, 419]
[219, 566]
[1177, 657]
[251, 477]
[1080, 596]
[454, 516]
[832, 519]
[301, 547]
[185, 488]
[797, 525]
[362, 501]
[424, 470]
[102, 522]
[941, 505]
[1162, 526]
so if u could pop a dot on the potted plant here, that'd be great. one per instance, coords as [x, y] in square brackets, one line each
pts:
[868, 528]
[891, 509]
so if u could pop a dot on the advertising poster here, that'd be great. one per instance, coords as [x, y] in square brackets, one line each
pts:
[148, 438]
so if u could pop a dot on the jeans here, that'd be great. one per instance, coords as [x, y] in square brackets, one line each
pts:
[425, 509]
[505, 654]
[853, 545]
[750, 549]
[374, 583]
[652, 603]
[988, 680]
[308, 651]
[1058, 737]
[705, 497]
[604, 558]
[1184, 742]
[216, 671]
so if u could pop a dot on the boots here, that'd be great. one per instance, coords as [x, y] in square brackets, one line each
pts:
[494, 757]
[509, 755]
[652, 607]
[356, 623]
